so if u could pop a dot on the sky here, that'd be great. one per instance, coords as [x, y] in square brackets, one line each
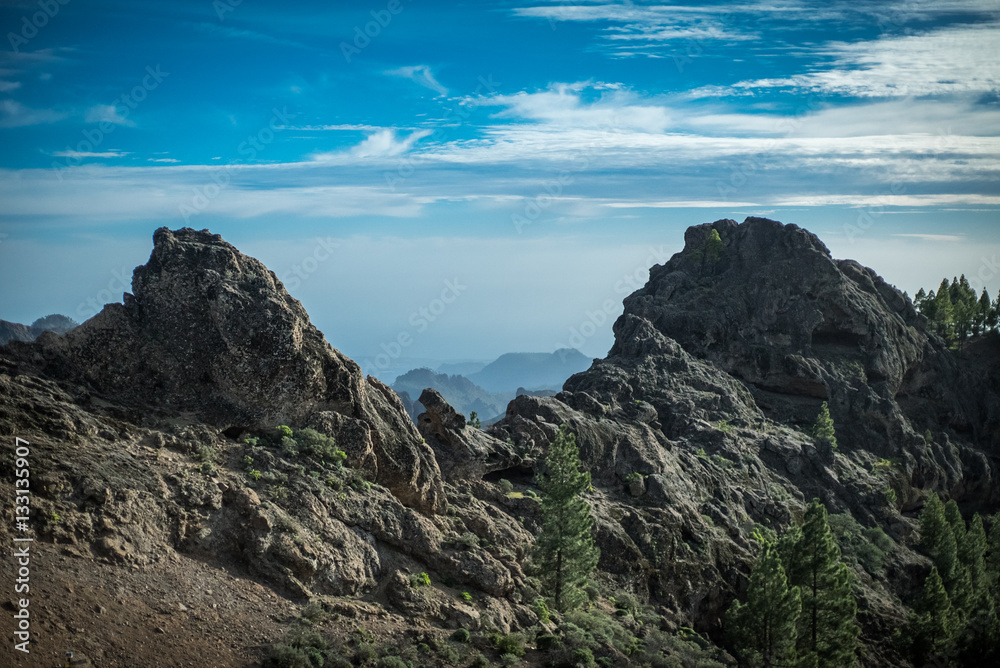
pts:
[453, 181]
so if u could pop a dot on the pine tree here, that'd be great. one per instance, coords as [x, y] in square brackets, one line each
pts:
[933, 627]
[983, 321]
[564, 553]
[937, 537]
[927, 309]
[919, 298]
[713, 246]
[980, 636]
[964, 306]
[823, 430]
[828, 628]
[763, 630]
[943, 311]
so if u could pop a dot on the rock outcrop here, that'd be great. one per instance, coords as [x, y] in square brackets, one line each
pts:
[702, 410]
[462, 451]
[212, 332]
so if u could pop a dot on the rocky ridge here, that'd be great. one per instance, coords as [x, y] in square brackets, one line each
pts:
[694, 428]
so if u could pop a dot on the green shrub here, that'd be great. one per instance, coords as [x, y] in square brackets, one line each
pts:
[335, 484]
[319, 445]
[283, 430]
[583, 657]
[466, 596]
[365, 654]
[391, 662]
[302, 648]
[509, 644]
[286, 656]
[419, 580]
[314, 612]
[468, 540]
[289, 446]
[506, 485]
[253, 474]
[541, 610]
[205, 453]
[448, 654]
[868, 546]
[461, 635]
[480, 662]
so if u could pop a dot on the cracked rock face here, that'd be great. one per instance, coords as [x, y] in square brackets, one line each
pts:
[210, 331]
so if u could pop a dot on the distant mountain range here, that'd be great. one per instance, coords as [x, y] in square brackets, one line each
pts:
[533, 371]
[15, 331]
[488, 388]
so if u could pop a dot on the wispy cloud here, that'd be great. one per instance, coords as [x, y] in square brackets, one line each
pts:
[385, 143]
[13, 114]
[562, 106]
[107, 113]
[8, 86]
[952, 60]
[230, 32]
[934, 237]
[420, 74]
[90, 154]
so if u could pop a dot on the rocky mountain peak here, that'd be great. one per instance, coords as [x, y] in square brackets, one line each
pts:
[211, 331]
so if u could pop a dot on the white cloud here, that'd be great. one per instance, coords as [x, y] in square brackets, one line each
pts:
[420, 74]
[354, 127]
[8, 86]
[934, 237]
[952, 60]
[381, 144]
[96, 192]
[13, 114]
[164, 160]
[90, 154]
[561, 106]
[107, 113]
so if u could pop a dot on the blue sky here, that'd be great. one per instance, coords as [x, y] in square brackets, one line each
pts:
[537, 157]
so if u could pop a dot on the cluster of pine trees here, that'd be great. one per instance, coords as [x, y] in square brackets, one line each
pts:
[956, 313]
[954, 622]
[800, 608]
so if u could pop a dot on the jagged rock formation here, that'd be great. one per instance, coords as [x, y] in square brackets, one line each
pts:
[719, 366]
[211, 331]
[463, 452]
